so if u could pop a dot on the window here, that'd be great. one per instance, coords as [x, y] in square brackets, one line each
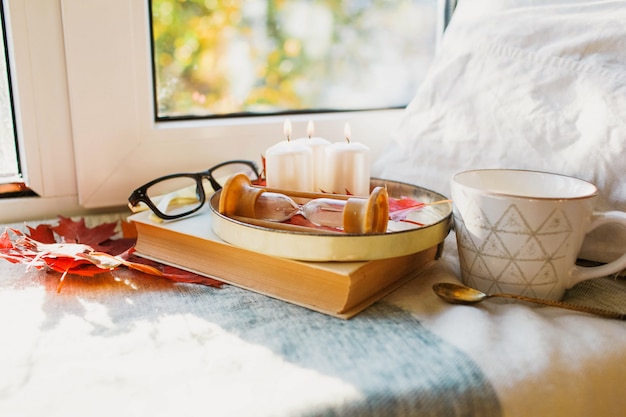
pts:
[34, 35]
[9, 166]
[215, 58]
[84, 99]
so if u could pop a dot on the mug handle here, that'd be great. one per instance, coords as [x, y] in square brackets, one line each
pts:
[582, 273]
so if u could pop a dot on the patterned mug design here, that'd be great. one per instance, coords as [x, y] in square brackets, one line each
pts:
[530, 262]
[516, 233]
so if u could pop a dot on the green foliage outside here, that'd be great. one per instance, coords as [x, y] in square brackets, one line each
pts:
[218, 57]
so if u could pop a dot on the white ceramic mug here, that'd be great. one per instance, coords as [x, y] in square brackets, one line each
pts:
[520, 231]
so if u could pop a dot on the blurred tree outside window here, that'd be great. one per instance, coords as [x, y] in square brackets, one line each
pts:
[219, 58]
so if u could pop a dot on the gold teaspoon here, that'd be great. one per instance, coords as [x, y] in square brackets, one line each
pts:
[459, 294]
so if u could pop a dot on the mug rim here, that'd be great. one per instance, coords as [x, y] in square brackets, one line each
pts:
[456, 180]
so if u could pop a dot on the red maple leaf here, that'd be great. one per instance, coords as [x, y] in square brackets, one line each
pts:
[73, 248]
[42, 233]
[98, 237]
[399, 209]
[77, 232]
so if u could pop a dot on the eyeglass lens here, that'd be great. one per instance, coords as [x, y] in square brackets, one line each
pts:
[222, 173]
[175, 196]
[179, 195]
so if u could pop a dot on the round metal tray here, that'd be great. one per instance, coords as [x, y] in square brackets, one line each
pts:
[402, 238]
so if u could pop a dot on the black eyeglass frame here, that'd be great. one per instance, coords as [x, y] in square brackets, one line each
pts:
[140, 195]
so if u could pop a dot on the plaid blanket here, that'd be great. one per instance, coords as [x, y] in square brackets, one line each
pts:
[130, 344]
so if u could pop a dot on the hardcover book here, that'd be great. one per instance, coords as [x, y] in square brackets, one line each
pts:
[341, 289]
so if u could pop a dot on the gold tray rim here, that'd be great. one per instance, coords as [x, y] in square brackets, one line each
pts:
[344, 247]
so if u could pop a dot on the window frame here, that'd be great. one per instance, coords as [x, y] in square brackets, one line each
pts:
[85, 145]
[39, 83]
[189, 145]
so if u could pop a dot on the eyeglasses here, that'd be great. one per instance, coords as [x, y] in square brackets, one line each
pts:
[178, 195]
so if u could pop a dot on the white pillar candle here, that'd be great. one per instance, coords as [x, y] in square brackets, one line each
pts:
[318, 147]
[347, 167]
[289, 164]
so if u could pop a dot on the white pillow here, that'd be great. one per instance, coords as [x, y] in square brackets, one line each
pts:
[525, 85]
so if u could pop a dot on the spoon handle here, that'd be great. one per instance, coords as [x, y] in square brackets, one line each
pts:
[561, 304]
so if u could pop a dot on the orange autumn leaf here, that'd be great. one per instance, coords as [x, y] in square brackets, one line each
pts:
[73, 248]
